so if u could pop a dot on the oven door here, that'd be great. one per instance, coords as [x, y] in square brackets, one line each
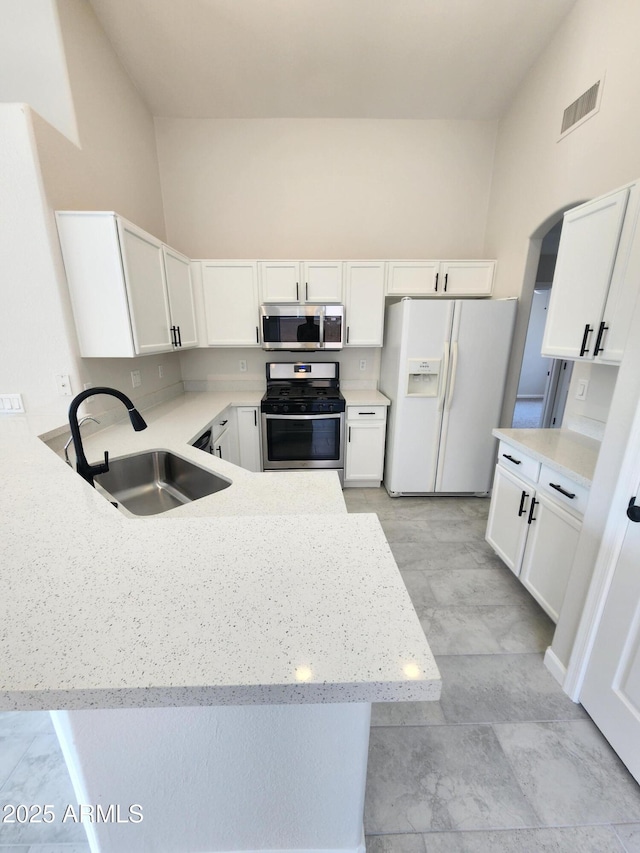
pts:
[302, 441]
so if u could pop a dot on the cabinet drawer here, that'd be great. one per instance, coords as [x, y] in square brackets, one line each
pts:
[517, 462]
[563, 490]
[366, 413]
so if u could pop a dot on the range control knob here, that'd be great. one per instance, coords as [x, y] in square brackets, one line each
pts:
[285, 408]
[303, 407]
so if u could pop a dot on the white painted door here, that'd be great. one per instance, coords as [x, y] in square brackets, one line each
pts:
[507, 525]
[364, 303]
[144, 275]
[466, 278]
[611, 691]
[183, 317]
[230, 292]
[586, 257]
[322, 281]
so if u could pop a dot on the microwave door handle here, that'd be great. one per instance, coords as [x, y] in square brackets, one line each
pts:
[321, 333]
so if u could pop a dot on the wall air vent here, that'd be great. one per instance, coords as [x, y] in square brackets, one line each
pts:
[582, 108]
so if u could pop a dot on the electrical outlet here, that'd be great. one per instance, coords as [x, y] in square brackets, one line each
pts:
[243, 365]
[363, 364]
[87, 385]
[160, 371]
[64, 384]
[136, 379]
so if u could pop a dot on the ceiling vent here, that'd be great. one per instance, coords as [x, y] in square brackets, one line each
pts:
[583, 108]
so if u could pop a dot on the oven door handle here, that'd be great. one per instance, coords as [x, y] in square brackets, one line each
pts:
[289, 416]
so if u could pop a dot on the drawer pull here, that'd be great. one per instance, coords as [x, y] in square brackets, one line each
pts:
[366, 413]
[587, 332]
[511, 459]
[533, 506]
[222, 423]
[570, 495]
[522, 509]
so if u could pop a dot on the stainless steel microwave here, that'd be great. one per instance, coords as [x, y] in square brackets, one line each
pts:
[302, 327]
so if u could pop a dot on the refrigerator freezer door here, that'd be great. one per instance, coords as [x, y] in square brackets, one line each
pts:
[416, 329]
[481, 343]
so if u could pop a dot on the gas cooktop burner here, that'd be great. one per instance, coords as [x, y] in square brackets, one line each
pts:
[296, 390]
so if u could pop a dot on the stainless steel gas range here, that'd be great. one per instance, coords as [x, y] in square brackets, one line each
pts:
[303, 415]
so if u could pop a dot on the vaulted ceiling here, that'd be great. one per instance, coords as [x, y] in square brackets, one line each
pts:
[410, 59]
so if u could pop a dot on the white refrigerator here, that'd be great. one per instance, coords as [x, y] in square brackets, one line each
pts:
[444, 364]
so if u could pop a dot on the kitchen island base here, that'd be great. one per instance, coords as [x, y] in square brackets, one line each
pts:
[252, 777]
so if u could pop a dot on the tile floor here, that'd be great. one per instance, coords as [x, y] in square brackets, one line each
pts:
[504, 763]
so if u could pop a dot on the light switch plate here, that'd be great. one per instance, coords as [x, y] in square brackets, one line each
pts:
[581, 389]
[11, 404]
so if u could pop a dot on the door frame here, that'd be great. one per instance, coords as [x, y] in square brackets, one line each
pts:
[623, 426]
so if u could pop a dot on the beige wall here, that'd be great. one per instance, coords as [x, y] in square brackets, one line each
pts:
[115, 168]
[326, 188]
[536, 177]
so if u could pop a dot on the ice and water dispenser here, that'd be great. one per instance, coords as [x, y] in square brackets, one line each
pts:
[423, 377]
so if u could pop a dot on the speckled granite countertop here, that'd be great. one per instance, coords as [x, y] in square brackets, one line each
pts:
[564, 450]
[102, 611]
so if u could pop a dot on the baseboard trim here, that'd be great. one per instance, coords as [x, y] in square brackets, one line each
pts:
[555, 666]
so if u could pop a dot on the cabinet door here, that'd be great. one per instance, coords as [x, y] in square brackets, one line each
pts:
[180, 289]
[408, 278]
[249, 438]
[143, 265]
[230, 292]
[507, 525]
[364, 303]
[322, 281]
[623, 289]
[466, 278]
[364, 451]
[280, 281]
[551, 547]
[586, 257]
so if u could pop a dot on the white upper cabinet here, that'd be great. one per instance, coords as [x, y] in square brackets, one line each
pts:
[230, 291]
[364, 303]
[118, 283]
[144, 275]
[440, 278]
[466, 278]
[412, 278]
[594, 285]
[180, 289]
[300, 281]
[322, 281]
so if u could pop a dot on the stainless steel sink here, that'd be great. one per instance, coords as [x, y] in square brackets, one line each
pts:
[157, 480]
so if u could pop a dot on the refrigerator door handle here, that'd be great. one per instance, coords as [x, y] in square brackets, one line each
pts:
[454, 371]
[444, 376]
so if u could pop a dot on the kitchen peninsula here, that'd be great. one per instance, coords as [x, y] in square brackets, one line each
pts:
[214, 664]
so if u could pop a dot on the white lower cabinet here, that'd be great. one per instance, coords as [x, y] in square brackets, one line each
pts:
[366, 431]
[224, 436]
[551, 546]
[532, 532]
[250, 456]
